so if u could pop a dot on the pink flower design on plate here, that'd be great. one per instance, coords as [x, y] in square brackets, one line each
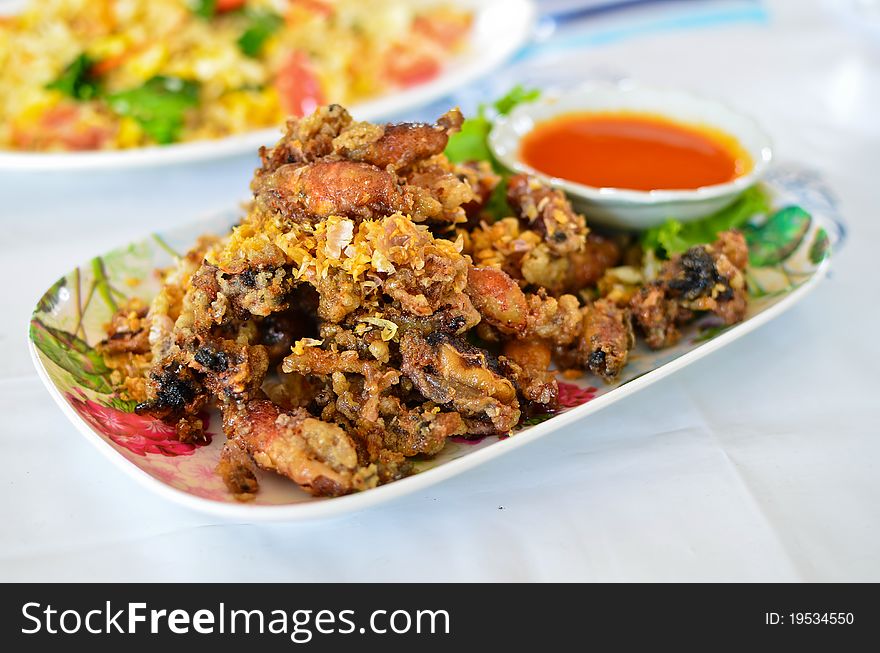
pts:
[571, 395]
[140, 434]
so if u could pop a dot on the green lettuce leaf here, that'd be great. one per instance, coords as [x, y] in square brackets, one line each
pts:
[471, 143]
[158, 106]
[203, 8]
[77, 80]
[674, 237]
[515, 96]
[263, 24]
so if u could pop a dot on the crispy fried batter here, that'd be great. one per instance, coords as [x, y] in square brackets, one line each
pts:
[307, 193]
[604, 345]
[361, 274]
[127, 331]
[422, 430]
[442, 181]
[316, 455]
[531, 370]
[557, 320]
[452, 372]
[397, 146]
[482, 181]
[238, 471]
[499, 300]
[548, 212]
[705, 278]
[524, 251]
[306, 139]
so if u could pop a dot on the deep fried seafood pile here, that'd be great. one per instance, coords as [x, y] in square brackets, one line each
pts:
[362, 313]
[705, 278]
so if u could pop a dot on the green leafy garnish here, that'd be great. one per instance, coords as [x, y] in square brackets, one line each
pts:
[516, 96]
[77, 80]
[470, 144]
[263, 24]
[158, 106]
[776, 239]
[203, 8]
[674, 237]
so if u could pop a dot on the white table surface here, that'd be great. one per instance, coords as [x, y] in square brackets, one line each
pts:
[757, 463]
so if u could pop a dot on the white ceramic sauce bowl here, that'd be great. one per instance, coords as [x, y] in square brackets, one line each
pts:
[635, 209]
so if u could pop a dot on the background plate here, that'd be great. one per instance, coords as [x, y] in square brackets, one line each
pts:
[501, 27]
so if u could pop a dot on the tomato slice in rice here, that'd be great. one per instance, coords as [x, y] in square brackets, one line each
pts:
[62, 127]
[228, 5]
[317, 7]
[409, 68]
[446, 31]
[298, 87]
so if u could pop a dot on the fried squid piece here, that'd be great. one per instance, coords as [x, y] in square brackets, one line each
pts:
[238, 471]
[439, 179]
[527, 257]
[530, 370]
[548, 212]
[179, 387]
[230, 370]
[499, 300]
[451, 372]
[317, 456]
[607, 339]
[307, 193]
[421, 430]
[571, 273]
[483, 181]
[176, 395]
[556, 320]
[704, 279]
[358, 384]
[306, 139]
[588, 265]
[454, 317]
[503, 305]
[604, 345]
[658, 316]
[331, 132]
[397, 146]
[128, 331]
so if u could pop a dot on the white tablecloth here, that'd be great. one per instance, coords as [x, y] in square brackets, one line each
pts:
[757, 463]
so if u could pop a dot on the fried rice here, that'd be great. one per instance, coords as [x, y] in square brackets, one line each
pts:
[116, 74]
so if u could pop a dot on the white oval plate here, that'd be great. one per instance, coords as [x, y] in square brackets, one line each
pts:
[501, 27]
[68, 321]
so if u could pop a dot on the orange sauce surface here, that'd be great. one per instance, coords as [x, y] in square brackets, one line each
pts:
[637, 151]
